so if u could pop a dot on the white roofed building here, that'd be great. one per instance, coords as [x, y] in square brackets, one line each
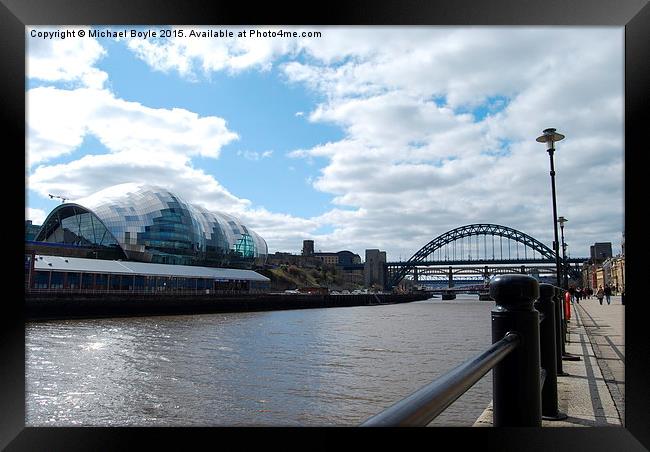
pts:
[138, 222]
[53, 273]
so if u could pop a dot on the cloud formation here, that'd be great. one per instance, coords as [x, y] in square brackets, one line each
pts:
[439, 131]
[59, 119]
[65, 60]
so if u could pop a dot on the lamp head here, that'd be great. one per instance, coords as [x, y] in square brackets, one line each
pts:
[549, 137]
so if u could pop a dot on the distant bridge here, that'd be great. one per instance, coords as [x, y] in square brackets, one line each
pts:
[478, 251]
[449, 250]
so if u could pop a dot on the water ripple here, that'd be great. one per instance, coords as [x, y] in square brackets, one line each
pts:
[304, 367]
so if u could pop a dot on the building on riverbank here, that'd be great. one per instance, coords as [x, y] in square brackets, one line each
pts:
[600, 251]
[136, 238]
[344, 263]
[60, 274]
[310, 258]
[606, 269]
[31, 230]
[142, 223]
[374, 268]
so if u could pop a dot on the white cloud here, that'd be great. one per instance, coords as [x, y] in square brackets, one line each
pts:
[282, 232]
[36, 215]
[58, 120]
[64, 60]
[417, 163]
[414, 161]
[83, 177]
[192, 57]
[91, 173]
[254, 155]
[144, 144]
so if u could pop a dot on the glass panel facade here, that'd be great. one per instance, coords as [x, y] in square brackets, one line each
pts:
[56, 280]
[71, 224]
[72, 281]
[151, 224]
[245, 246]
[101, 281]
[115, 282]
[88, 281]
[41, 280]
[126, 282]
[133, 283]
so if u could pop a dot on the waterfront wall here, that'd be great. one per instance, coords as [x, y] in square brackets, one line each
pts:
[64, 306]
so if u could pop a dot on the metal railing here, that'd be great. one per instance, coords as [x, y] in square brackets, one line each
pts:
[522, 358]
[423, 406]
[152, 292]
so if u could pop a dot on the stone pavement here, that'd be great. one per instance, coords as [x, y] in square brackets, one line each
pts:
[605, 328]
[592, 393]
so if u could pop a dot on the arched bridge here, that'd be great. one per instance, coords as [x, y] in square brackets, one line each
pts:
[482, 244]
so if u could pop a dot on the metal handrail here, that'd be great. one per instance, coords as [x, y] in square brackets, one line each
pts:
[174, 292]
[524, 385]
[424, 405]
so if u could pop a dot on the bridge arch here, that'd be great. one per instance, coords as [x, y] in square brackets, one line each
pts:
[468, 231]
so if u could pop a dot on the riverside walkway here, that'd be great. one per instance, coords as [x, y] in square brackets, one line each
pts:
[592, 392]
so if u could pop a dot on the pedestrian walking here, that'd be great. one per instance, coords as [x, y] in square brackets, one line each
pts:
[578, 294]
[608, 293]
[600, 294]
[572, 292]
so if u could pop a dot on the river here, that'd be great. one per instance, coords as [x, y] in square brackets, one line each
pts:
[310, 367]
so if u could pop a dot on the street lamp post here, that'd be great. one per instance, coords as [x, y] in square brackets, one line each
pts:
[565, 270]
[550, 136]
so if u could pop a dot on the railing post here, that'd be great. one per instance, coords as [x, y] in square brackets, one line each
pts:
[559, 335]
[548, 350]
[516, 380]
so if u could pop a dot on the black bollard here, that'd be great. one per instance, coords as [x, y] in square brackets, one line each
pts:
[559, 339]
[516, 380]
[548, 350]
[563, 330]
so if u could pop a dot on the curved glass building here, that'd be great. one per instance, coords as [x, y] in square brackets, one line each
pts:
[151, 224]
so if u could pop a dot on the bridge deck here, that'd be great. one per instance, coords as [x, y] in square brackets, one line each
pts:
[473, 262]
[572, 260]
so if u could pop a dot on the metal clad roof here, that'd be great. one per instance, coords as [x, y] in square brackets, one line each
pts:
[131, 207]
[77, 264]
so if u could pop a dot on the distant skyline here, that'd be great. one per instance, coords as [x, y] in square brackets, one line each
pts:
[362, 137]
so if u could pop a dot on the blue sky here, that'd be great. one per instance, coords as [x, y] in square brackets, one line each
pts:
[261, 107]
[360, 138]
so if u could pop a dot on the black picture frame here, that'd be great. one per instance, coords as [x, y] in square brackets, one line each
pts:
[634, 15]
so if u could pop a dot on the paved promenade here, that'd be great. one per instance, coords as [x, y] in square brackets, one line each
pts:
[592, 393]
[604, 326]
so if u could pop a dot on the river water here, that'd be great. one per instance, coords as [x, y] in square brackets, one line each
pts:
[311, 367]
